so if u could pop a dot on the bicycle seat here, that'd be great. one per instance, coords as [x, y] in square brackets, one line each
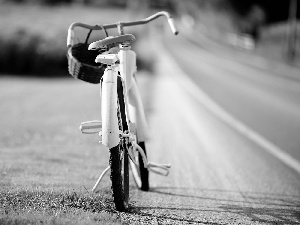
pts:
[111, 40]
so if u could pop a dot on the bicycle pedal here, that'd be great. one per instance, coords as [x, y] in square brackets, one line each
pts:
[91, 127]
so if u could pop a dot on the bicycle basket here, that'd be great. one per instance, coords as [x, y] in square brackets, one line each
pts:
[81, 62]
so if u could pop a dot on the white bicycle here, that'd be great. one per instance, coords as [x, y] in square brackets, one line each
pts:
[122, 128]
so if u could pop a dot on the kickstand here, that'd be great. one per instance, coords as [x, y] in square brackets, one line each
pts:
[100, 178]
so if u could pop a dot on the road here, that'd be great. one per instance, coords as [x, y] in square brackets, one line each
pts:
[231, 132]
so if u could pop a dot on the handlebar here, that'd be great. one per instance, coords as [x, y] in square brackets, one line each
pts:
[120, 25]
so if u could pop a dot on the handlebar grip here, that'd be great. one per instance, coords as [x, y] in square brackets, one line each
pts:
[70, 39]
[172, 25]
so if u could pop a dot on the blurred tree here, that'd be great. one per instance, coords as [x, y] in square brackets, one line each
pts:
[292, 30]
[275, 10]
[251, 21]
[83, 2]
[255, 13]
[137, 4]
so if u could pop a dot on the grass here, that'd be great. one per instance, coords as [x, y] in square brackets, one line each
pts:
[47, 168]
[40, 207]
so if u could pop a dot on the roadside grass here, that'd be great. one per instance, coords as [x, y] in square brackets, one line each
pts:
[47, 168]
[39, 207]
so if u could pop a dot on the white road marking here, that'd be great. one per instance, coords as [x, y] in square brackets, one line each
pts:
[217, 110]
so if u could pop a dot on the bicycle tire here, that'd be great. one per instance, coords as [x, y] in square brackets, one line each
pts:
[118, 164]
[117, 187]
[139, 172]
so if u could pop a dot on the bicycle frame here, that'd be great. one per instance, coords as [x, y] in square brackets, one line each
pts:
[135, 117]
[110, 132]
[135, 127]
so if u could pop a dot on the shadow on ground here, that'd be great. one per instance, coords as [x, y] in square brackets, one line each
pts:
[209, 206]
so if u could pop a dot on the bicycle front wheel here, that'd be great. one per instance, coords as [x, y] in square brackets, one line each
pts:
[119, 159]
[116, 167]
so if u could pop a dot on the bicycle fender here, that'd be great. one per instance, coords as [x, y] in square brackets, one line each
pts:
[110, 126]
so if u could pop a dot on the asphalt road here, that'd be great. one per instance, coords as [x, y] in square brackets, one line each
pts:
[266, 99]
[231, 132]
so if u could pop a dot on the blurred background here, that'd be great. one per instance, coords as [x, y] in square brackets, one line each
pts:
[243, 54]
[33, 33]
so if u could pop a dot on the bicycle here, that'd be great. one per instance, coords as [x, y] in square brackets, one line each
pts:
[122, 128]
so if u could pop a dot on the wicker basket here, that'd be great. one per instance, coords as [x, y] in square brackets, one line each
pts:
[81, 62]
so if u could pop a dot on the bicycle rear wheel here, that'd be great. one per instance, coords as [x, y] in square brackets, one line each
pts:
[139, 172]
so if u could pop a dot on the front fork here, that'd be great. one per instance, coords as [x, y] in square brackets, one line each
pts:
[108, 128]
[109, 98]
[110, 125]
